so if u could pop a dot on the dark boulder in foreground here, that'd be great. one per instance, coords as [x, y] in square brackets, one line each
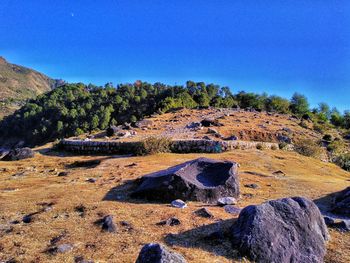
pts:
[284, 230]
[18, 154]
[156, 253]
[202, 179]
[342, 203]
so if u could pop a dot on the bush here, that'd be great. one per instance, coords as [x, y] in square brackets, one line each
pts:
[308, 147]
[343, 161]
[327, 137]
[336, 147]
[260, 146]
[282, 145]
[153, 145]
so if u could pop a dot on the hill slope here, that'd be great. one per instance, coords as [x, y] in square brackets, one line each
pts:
[19, 83]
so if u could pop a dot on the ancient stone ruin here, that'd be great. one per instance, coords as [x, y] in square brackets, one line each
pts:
[284, 230]
[202, 179]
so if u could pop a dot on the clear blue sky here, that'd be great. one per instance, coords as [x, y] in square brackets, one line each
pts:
[273, 46]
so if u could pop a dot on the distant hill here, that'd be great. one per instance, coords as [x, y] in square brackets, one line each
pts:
[18, 83]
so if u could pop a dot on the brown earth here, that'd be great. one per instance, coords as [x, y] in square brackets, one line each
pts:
[26, 185]
[245, 125]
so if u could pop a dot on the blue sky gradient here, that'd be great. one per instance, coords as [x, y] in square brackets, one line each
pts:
[272, 46]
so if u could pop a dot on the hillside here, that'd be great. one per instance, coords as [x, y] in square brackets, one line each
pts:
[18, 83]
[72, 204]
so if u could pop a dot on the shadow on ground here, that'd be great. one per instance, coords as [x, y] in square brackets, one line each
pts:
[213, 238]
[326, 204]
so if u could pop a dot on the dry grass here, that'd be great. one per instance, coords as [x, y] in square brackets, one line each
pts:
[27, 242]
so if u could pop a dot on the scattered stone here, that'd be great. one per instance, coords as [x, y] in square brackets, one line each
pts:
[91, 180]
[112, 130]
[232, 209]
[5, 229]
[203, 212]
[156, 253]
[329, 221]
[81, 210]
[201, 179]
[85, 164]
[298, 224]
[209, 123]
[254, 186]
[212, 131]
[342, 203]
[144, 124]
[28, 218]
[227, 201]
[231, 138]
[18, 154]
[127, 225]
[80, 259]
[107, 224]
[63, 174]
[340, 224]
[58, 238]
[63, 248]
[283, 138]
[279, 173]
[172, 221]
[178, 203]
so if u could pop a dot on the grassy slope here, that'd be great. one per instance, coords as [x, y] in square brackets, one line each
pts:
[304, 176]
[18, 83]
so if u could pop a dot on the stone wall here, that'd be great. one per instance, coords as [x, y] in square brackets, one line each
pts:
[177, 146]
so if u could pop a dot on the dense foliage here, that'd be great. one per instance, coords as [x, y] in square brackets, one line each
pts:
[74, 109]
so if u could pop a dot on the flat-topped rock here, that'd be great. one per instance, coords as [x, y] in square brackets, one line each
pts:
[202, 179]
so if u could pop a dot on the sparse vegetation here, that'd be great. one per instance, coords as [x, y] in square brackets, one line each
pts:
[343, 160]
[308, 147]
[153, 145]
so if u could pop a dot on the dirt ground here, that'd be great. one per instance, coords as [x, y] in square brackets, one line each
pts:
[70, 205]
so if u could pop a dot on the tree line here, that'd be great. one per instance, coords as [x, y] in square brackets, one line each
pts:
[73, 109]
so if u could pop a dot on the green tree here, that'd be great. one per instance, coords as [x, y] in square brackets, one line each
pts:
[299, 104]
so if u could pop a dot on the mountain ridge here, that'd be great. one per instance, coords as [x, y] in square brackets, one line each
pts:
[19, 83]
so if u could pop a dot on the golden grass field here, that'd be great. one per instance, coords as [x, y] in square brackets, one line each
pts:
[39, 184]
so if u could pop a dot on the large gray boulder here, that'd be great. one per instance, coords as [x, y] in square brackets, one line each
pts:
[341, 204]
[18, 154]
[202, 179]
[284, 230]
[156, 253]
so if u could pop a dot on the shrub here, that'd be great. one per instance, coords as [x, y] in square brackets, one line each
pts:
[343, 161]
[274, 147]
[307, 147]
[303, 124]
[336, 147]
[260, 146]
[153, 145]
[327, 137]
[282, 145]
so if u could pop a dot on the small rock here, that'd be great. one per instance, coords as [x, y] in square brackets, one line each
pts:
[107, 224]
[343, 225]
[232, 209]
[227, 201]
[63, 174]
[254, 186]
[27, 219]
[91, 180]
[178, 203]
[203, 212]
[172, 221]
[64, 248]
[329, 221]
[156, 253]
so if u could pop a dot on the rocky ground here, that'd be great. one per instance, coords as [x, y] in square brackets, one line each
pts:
[49, 205]
[244, 125]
